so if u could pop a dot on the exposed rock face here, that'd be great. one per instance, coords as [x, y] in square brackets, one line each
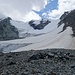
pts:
[39, 26]
[64, 15]
[7, 31]
[68, 19]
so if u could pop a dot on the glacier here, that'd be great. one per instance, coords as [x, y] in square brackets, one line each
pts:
[31, 39]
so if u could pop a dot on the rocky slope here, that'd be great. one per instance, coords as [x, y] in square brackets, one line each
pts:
[68, 19]
[40, 62]
[7, 30]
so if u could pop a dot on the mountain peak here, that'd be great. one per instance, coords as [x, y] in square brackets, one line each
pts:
[40, 25]
[68, 19]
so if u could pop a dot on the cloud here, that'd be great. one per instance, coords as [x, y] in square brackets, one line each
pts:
[21, 9]
[63, 5]
[31, 16]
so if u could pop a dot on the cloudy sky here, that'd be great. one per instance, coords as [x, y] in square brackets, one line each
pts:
[26, 10]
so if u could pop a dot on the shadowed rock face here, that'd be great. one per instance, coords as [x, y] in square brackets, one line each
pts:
[39, 26]
[68, 19]
[7, 31]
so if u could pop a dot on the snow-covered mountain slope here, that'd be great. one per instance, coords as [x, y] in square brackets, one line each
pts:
[51, 39]
[26, 30]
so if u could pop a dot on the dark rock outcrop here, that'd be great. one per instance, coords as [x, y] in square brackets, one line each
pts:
[8, 31]
[40, 56]
[39, 26]
[68, 19]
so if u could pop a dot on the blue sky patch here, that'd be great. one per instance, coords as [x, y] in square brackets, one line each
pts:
[49, 7]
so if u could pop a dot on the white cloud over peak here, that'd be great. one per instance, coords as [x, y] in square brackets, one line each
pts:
[31, 16]
[21, 9]
[63, 5]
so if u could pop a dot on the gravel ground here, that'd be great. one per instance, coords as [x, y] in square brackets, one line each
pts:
[40, 62]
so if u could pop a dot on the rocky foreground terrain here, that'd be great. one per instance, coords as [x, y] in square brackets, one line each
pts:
[40, 62]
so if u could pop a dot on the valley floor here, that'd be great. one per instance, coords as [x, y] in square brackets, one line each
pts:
[39, 62]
